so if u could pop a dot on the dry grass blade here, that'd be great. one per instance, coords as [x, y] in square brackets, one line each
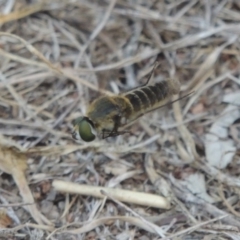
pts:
[198, 79]
[183, 232]
[49, 65]
[205, 71]
[26, 11]
[15, 164]
[98, 29]
[185, 134]
[159, 182]
[30, 9]
[164, 188]
[6, 142]
[154, 227]
[57, 57]
[21, 59]
[98, 222]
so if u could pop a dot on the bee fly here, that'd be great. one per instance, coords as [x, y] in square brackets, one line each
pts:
[107, 114]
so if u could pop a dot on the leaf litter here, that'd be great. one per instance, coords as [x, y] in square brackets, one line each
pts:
[56, 57]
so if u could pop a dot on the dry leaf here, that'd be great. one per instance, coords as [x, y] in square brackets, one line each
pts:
[116, 168]
[12, 161]
[5, 220]
[219, 148]
[194, 183]
[199, 108]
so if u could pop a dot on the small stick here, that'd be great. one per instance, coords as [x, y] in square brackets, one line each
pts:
[144, 199]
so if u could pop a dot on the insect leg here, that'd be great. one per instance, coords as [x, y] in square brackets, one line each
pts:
[145, 84]
[151, 74]
[114, 132]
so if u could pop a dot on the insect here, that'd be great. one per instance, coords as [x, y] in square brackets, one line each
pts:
[106, 114]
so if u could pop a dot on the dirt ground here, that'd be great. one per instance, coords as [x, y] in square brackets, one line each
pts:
[174, 175]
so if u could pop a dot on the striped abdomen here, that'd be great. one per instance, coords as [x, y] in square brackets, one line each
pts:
[147, 98]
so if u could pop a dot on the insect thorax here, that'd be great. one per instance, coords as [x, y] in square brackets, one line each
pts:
[106, 112]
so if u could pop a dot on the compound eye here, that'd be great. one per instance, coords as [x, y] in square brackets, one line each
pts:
[85, 129]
